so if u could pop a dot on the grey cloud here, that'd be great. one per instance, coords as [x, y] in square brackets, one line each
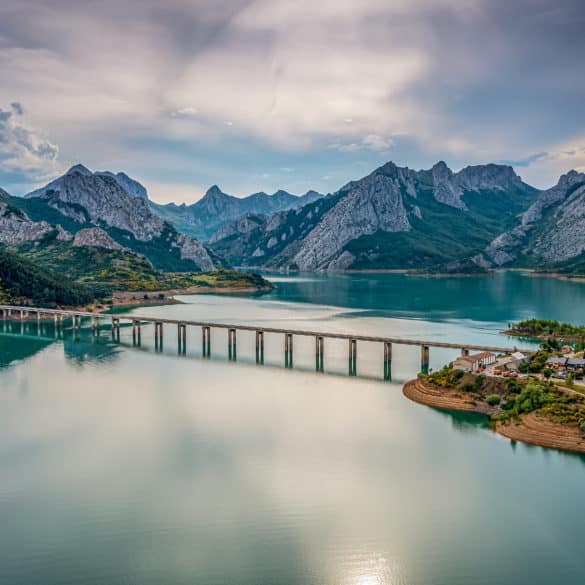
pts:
[468, 79]
[526, 161]
[23, 151]
[17, 108]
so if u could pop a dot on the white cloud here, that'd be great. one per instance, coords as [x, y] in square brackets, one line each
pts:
[24, 152]
[185, 112]
[370, 142]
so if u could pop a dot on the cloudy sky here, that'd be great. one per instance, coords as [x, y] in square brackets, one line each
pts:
[296, 94]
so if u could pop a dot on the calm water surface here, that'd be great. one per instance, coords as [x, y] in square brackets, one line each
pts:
[122, 466]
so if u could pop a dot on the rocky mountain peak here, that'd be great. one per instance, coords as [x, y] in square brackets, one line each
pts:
[488, 177]
[79, 169]
[213, 192]
[571, 178]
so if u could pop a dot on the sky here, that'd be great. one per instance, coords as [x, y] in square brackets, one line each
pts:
[258, 95]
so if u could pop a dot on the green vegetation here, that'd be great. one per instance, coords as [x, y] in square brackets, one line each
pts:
[444, 234]
[571, 267]
[546, 328]
[512, 398]
[22, 280]
[96, 273]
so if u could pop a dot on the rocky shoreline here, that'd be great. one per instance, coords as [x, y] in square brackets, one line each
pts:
[531, 428]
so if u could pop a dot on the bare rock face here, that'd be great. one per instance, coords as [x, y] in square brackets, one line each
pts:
[131, 186]
[490, 177]
[564, 236]
[16, 227]
[243, 225]
[193, 250]
[104, 201]
[392, 199]
[375, 203]
[445, 186]
[554, 223]
[96, 238]
[116, 201]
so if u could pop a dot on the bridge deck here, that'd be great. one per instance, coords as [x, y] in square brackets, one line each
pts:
[243, 327]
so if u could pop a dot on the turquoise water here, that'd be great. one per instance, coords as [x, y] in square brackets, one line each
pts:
[122, 466]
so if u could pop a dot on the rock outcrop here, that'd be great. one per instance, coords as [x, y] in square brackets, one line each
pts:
[16, 227]
[96, 238]
[551, 230]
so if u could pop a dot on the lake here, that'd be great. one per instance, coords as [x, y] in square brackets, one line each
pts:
[119, 465]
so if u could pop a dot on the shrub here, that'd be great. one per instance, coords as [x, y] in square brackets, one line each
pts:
[547, 372]
[468, 387]
[513, 386]
[479, 382]
[493, 399]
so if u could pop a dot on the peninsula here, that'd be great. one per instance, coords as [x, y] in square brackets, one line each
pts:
[533, 411]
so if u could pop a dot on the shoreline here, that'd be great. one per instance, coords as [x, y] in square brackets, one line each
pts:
[167, 297]
[542, 337]
[122, 299]
[532, 428]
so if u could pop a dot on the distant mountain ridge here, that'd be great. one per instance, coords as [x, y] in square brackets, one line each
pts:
[216, 209]
[550, 231]
[117, 204]
[481, 217]
[395, 217]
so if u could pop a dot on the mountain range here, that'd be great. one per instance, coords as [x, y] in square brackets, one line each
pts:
[216, 208]
[115, 204]
[394, 218]
[481, 217]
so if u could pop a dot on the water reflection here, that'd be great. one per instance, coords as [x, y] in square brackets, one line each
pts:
[157, 469]
[21, 340]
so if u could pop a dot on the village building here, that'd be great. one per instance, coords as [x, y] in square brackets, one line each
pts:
[575, 364]
[474, 362]
[557, 363]
[513, 362]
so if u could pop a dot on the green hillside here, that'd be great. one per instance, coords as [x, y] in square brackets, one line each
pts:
[23, 280]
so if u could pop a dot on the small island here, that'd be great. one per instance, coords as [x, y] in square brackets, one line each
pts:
[531, 410]
[548, 329]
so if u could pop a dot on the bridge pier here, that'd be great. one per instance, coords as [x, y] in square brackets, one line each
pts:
[181, 338]
[95, 326]
[158, 336]
[387, 360]
[232, 347]
[115, 329]
[206, 333]
[464, 352]
[259, 347]
[319, 351]
[136, 333]
[424, 359]
[288, 350]
[353, 357]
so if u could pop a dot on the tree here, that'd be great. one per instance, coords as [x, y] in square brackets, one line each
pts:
[547, 373]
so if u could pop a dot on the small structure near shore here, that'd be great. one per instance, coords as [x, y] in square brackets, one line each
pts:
[470, 363]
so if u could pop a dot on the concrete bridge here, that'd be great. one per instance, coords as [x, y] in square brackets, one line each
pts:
[60, 316]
